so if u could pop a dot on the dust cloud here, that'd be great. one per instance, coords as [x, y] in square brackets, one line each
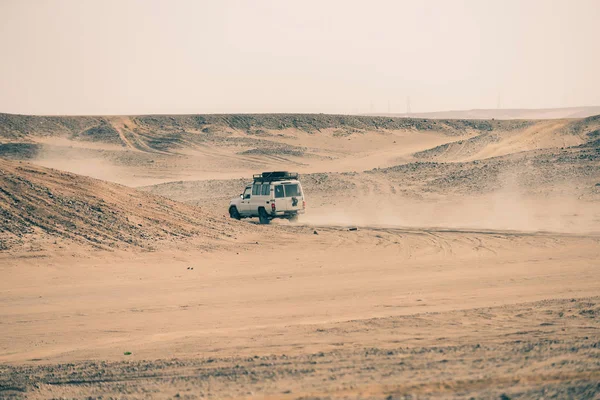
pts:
[497, 211]
[510, 207]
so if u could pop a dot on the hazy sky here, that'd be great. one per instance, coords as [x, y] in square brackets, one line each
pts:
[132, 57]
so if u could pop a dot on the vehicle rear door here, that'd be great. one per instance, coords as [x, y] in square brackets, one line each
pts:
[293, 196]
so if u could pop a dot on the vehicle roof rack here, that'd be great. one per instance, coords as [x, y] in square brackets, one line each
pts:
[275, 176]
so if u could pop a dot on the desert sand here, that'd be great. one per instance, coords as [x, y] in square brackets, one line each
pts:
[473, 271]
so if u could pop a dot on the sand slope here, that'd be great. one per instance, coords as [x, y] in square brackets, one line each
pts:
[137, 150]
[43, 205]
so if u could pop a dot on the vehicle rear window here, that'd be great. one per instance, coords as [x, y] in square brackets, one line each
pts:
[279, 191]
[292, 190]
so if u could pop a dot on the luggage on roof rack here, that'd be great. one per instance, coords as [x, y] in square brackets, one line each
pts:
[275, 176]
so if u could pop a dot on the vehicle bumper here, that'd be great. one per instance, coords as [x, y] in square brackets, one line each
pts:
[286, 213]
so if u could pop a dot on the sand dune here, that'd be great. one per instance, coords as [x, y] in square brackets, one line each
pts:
[543, 135]
[40, 206]
[142, 150]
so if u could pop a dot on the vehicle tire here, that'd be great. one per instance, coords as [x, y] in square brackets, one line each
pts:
[263, 217]
[234, 213]
[293, 218]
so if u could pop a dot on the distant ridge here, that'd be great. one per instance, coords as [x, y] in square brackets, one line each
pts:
[504, 114]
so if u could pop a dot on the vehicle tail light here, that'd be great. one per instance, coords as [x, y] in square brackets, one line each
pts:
[303, 203]
[273, 206]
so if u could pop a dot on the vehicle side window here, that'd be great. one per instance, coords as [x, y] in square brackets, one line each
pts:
[247, 193]
[256, 190]
[279, 191]
[292, 191]
[266, 190]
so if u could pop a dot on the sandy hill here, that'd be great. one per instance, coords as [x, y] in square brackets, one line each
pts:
[39, 204]
[543, 157]
[143, 150]
[123, 129]
[170, 133]
[248, 134]
[542, 135]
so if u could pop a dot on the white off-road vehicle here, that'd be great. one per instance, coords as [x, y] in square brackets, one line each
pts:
[272, 195]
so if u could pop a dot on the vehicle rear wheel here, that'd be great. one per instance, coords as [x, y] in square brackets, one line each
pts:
[293, 218]
[234, 213]
[263, 217]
